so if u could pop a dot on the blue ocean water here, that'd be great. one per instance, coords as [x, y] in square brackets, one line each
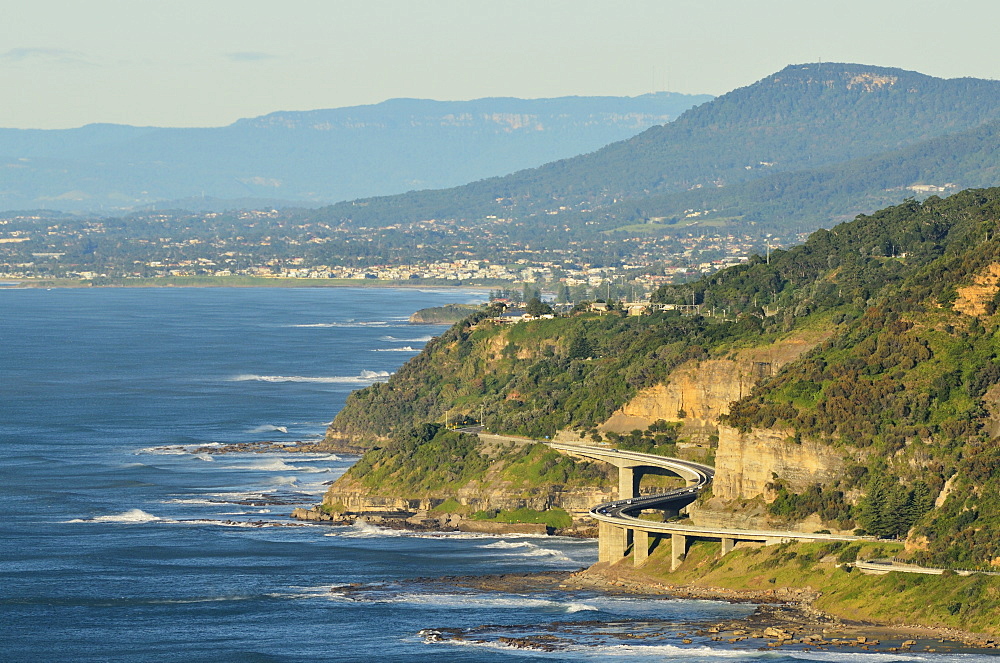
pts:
[120, 542]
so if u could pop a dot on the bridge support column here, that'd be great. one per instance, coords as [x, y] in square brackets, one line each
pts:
[612, 542]
[628, 483]
[727, 546]
[678, 545]
[640, 546]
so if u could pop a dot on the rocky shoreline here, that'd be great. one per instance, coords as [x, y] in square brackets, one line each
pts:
[784, 617]
[426, 521]
[262, 447]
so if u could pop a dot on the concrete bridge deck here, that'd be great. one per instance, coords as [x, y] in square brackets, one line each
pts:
[621, 530]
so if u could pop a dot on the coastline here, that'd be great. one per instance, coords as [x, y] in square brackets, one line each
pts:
[786, 616]
[783, 618]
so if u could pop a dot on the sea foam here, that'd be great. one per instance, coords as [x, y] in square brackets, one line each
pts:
[526, 549]
[334, 325]
[365, 377]
[130, 517]
[269, 428]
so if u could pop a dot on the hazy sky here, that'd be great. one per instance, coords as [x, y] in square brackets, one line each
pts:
[66, 63]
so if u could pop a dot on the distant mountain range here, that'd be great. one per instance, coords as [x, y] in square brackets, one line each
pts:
[802, 148]
[314, 157]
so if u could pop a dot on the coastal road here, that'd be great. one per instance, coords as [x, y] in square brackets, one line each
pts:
[621, 518]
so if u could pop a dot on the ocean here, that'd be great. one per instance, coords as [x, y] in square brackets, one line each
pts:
[121, 539]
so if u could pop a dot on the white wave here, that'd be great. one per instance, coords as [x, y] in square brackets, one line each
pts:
[525, 549]
[405, 348]
[205, 457]
[364, 377]
[164, 451]
[249, 524]
[284, 481]
[269, 428]
[331, 325]
[629, 651]
[317, 487]
[467, 601]
[132, 516]
[668, 652]
[314, 458]
[247, 496]
[865, 657]
[513, 602]
[419, 339]
[304, 592]
[192, 500]
[279, 465]
[550, 554]
[504, 544]
[177, 449]
[364, 530]
[475, 643]
[269, 465]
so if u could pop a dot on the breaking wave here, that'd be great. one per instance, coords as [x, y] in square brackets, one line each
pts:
[362, 530]
[465, 601]
[526, 549]
[269, 428]
[352, 323]
[130, 517]
[279, 465]
[365, 377]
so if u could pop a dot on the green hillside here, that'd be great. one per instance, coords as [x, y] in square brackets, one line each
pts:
[800, 120]
[806, 199]
[906, 384]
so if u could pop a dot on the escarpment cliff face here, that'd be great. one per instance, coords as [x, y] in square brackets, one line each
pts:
[698, 392]
[974, 299]
[746, 462]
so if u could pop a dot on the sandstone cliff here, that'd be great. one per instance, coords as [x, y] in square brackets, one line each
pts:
[699, 392]
[746, 462]
[973, 299]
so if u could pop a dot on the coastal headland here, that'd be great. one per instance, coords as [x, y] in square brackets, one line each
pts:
[848, 392]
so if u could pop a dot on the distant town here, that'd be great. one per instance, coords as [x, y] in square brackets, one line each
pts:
[276, 245]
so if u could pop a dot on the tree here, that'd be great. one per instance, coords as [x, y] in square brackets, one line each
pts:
[536, 307]
[580, 347]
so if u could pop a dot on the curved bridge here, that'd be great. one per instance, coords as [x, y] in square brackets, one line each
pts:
[621, 530]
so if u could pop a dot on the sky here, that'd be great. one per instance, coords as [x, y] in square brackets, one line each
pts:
[189, 63]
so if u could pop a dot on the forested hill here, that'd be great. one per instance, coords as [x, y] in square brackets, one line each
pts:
[904, 381]
[804, 117]
[808, 199]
